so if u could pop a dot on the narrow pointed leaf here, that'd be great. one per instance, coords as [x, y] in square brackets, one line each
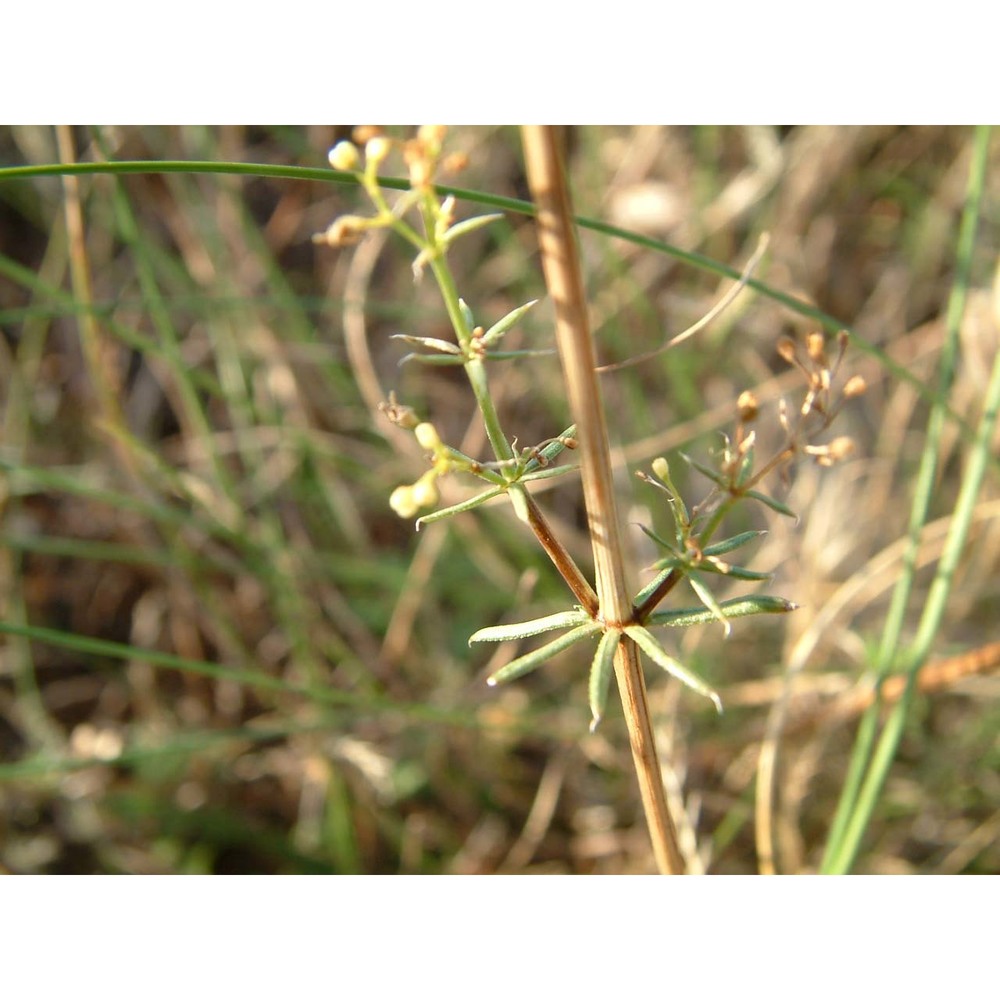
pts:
[469, 226]
[526, 353]
[431, 343]
[600, 674]
[556, 470]
[533, 660]
[521, 630]
[737, 572]
[669, 546]
[710, 473]
[495, 332]
[470, 320]
[652, 585]
[728, 544]
[648, 644]
[708, 599]
[442, 360]
[773, 504]
[519, 502]
[459, 508]
[737, 607]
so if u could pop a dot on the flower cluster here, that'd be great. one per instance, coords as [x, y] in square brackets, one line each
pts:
[407, 501]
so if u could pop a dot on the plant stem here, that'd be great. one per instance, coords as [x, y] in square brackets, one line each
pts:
[557, 241]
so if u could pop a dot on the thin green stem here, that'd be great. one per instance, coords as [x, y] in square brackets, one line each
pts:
[870, 764]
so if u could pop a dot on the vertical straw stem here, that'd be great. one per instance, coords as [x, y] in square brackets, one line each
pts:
[560, 259]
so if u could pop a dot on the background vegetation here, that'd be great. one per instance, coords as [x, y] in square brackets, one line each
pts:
[224, 653]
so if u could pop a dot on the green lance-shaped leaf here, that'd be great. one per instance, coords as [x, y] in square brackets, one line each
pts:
[671, 565]
[431, 343]
[736, 572]
[459, 508]
[557, 470]
[498, 329]
[521, 630]
[519, 501]
[648, 644]
[468, 226]
[527, 353]
[729, 544]
[600, 674]
[470, 320]
[736, 607]
[708, 599]
[531, 661]
[713, 474]
[669, 546]
[773, 504]
[440, 360]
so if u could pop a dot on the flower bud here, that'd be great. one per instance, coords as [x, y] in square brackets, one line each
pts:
[344, 156]
[427, 437]
[425, 490]
[403, 501]
[376, 150]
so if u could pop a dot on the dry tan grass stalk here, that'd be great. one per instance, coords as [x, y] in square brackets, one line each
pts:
[557, 241]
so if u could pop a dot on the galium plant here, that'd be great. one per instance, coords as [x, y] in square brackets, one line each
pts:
[693, 552]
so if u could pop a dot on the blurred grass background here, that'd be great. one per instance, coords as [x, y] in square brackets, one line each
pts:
[223, 651]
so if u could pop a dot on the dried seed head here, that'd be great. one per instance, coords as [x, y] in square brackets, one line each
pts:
[362, 134]
[840, 448]
[815, 347]
[748, 406]
[399, 414]
[856, 386]
[455, 163]
[345, 231]
[786, 350]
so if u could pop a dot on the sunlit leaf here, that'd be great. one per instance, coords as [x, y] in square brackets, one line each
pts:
[600, 674]
[648, 644]
[737, 607]
[495, 332]
[531, 661]
[521, 630]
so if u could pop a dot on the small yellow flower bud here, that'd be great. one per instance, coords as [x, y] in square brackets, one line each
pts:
[661, 469]
[403, 501]
[425, 491]
[432, 135]
[427, 437]
[344, 156]
[377, 149]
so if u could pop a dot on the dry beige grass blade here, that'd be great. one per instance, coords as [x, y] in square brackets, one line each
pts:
[557, 240]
